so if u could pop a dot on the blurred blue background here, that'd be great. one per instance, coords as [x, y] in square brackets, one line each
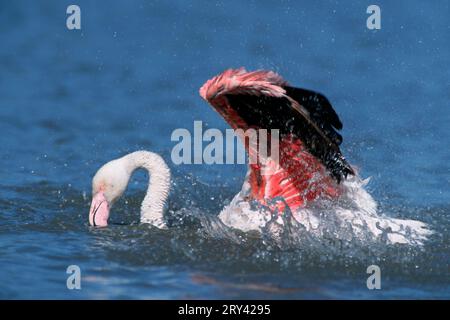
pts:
[71, 100]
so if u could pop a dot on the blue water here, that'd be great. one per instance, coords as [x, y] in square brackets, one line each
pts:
[73, 100]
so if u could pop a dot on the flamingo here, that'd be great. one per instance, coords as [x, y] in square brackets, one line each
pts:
[111, 180]
[311, 180]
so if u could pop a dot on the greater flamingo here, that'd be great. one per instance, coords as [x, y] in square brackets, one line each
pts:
[312, 179]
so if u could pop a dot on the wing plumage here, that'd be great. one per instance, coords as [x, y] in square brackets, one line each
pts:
[263, 99]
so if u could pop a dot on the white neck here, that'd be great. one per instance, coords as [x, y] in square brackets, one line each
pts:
[152, 207]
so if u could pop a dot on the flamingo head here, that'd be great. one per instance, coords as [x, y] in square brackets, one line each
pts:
[108, 184]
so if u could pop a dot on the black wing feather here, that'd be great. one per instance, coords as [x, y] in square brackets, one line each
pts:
[317, 127]
[320, 109]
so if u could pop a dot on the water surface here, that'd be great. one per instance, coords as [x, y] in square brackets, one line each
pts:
[72, 100]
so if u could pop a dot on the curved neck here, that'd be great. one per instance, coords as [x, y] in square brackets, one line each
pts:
[152, 207]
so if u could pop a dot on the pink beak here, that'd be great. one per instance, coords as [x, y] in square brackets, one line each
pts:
[99, 212]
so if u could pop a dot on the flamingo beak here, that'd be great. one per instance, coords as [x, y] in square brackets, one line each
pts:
[99, 212]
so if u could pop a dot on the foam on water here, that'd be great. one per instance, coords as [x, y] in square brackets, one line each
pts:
[353, 218]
